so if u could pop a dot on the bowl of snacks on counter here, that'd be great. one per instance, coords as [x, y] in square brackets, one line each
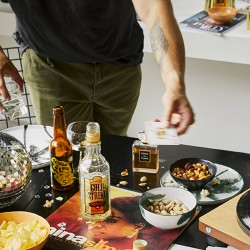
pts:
[167, 207]
[222, 14]
[21, 230]
[193, 173]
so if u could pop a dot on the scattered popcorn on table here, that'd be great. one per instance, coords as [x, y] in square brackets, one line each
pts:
[143, 179]
[204, 193]
[123, 183]
[48, 203]
[59, 198]
[124, 173]
[142, 184]
[216, 181]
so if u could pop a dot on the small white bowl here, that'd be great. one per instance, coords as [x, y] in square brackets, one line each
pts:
[170, 193]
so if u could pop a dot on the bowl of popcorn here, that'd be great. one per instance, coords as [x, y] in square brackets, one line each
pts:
[21, 230]
[167, 207]
[193, 173]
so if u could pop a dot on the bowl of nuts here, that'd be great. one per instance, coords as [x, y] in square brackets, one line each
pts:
[193, 173]
[167, 207]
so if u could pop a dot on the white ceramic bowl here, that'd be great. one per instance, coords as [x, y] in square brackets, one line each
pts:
[170, 193]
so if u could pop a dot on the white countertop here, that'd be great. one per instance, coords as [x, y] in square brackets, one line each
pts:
[233, 47]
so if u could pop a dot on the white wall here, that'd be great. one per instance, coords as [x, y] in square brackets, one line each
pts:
[220, 96]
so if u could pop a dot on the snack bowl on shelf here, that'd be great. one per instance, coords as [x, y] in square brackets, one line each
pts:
[23, 230]
[167, 207]
[193, 173]
[222, 14]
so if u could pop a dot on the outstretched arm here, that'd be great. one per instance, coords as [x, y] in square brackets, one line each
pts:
[168, 47]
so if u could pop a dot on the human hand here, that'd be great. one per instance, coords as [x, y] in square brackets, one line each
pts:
[177, 111]
[7, 69]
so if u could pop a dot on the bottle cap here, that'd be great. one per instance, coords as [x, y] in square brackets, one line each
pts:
[140, 244]
[93, 132]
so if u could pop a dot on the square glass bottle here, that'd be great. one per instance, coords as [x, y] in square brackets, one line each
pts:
[145, 157]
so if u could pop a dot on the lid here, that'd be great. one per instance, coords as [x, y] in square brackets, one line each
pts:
[93, 132]
[140, 244]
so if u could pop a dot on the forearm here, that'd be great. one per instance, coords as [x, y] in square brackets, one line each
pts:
[166, 40]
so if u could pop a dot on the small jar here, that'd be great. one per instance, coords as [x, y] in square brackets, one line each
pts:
[140, 244]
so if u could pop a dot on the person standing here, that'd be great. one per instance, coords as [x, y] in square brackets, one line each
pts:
[86, 56]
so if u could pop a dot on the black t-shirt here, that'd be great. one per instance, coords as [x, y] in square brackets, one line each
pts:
[80, 31]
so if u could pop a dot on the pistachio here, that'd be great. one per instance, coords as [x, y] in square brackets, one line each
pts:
[143, 179]
[167, 207]
[142, 184]
[124, 183]
[124, 173]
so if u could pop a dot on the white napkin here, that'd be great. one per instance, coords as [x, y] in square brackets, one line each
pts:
[180, 247]
[221, 248]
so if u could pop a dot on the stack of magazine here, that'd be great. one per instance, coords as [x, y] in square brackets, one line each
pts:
[202, 22]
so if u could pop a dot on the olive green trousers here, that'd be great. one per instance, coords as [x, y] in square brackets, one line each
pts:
[102, 92]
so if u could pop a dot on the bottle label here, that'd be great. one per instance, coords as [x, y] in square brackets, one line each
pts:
[96, 195]
[144, 156]
[62, 171]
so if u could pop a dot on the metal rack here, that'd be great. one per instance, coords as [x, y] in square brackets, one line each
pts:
[14, 55]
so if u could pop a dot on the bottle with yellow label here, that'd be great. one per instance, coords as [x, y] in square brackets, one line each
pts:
[61, 169]
[94, 178]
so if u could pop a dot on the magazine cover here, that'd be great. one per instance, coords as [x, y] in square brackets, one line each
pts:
[70, 231]
[202, 22]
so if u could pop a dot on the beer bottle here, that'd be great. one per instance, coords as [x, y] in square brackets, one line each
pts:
[94, 178]
[61, 169]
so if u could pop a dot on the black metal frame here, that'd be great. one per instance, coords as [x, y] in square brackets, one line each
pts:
[14, 55]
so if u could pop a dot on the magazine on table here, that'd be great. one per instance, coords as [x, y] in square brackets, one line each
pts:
[202, 22]
[69, 231]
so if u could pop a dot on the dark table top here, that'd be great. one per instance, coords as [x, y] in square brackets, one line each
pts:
[118, 152]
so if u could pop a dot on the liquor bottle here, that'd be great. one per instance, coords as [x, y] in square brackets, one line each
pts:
[94, 178]
[61, 169]
[145, 157]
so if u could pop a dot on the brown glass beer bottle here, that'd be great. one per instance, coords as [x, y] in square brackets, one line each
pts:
[61, 168]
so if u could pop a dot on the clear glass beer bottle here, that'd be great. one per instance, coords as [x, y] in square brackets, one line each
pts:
[61, 168]
[94, 178]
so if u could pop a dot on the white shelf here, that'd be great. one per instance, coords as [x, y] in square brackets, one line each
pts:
[233, 47]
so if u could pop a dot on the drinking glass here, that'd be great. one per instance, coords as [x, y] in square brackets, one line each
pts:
[15, 107]
[76, 133]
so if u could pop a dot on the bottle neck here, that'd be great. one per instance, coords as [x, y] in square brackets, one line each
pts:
[59, 122]
[93, 148]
